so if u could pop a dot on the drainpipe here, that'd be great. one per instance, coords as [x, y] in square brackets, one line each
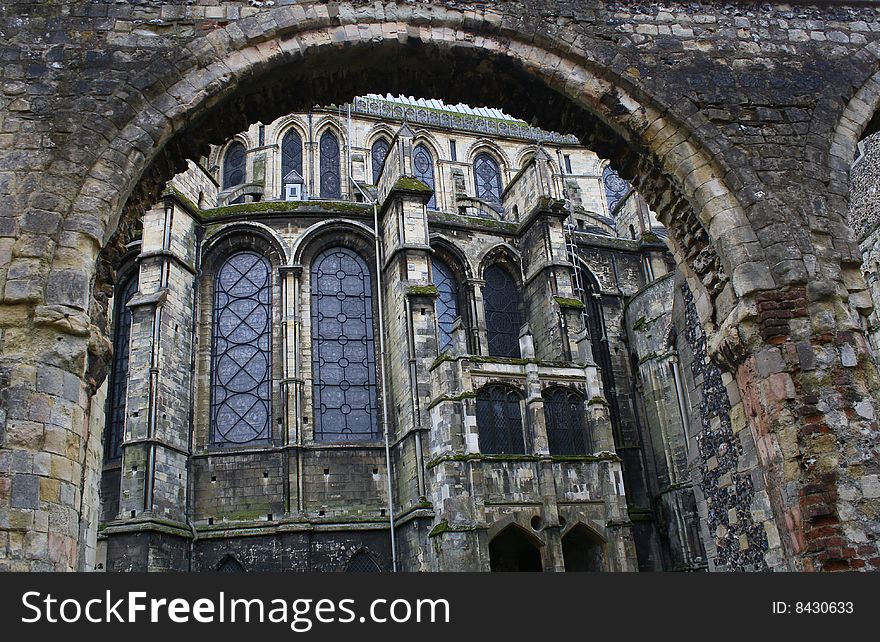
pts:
[192, 396]
[152, 405]
[285, 390]
[682, 406]
[310, 181]
[382, 369]
[348, 144]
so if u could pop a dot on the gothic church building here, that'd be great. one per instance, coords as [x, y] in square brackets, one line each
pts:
[399, 334]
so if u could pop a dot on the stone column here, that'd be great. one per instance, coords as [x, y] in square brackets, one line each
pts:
[152, 532]
[52, 354]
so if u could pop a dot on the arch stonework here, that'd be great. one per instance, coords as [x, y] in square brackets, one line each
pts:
[756, 221]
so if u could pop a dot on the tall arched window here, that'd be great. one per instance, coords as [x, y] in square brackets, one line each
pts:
[291, 156]
[503, 317]
[564, 414]
[233, 166]
[241, 350]
[487, 178]
[118, 384]
[615, 187]
[423, 164]
[343, 348]
[447, 301]
[362, 563]
[377, 157]
[234, 170]
[331, 185]
[499, 421]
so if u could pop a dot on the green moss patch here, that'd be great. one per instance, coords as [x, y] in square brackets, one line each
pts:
[410, 184]
[565, 302]
[441, 527]
[443, 356]
[423, 290]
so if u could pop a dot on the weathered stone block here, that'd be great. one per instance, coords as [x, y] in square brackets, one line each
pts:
[25, 491]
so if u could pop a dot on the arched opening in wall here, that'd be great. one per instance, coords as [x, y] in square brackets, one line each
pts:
[362, 562]
[503, 310]
[230, 565]
[512, 550]
[234, 168]
[271, 87]
[344, 348]
[583, 550]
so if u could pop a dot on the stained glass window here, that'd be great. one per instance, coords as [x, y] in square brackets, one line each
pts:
[487, 178]
[423, 165]
[234, 168]
[362, 563]
[343, 348]
[615, 187]
[503, 317]
[241, 350]
[118, 384]
[499, 420]
[377, 158]
[564, 414]
[330, 181]
[447, 301]
[291, 156]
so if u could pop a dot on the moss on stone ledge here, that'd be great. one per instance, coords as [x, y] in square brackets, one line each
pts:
[268, 207]
[565, 302]
[441, 527]
[423, 290]
[265, 207]
[410, 184]
[443, 356]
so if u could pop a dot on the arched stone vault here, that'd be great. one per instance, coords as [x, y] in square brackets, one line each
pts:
[772, 278]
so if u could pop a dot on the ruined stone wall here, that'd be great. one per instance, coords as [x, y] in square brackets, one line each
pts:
[864, 218]
[732, 499]
[197, 185]
[665, 409]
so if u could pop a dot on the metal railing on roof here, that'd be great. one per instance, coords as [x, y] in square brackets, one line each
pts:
[460, 120]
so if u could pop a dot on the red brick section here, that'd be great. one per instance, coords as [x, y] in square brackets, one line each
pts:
[813, 526]
[774, 311]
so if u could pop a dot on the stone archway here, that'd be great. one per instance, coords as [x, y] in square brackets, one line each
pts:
[514, 550]
[583, 550]
[750, 287]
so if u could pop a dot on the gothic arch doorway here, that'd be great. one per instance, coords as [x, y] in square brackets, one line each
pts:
[513, 550]
[583, 550]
